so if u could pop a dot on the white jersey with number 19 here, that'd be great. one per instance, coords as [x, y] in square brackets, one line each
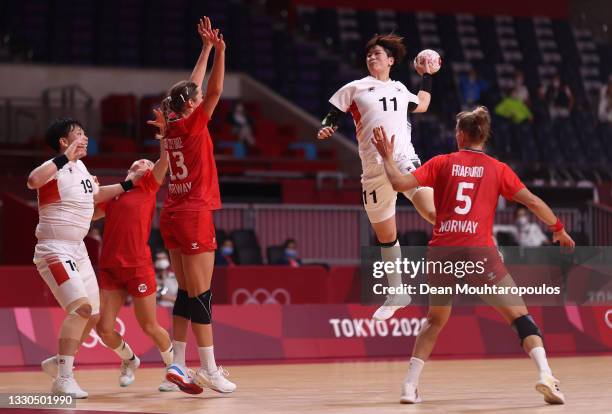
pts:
[374, 103]
[65, 204]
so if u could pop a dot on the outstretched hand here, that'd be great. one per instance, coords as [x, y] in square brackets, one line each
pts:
[205, 32]
[210, 37]
[422, 66]
[383, 145]
[159, 122]
[564, 240]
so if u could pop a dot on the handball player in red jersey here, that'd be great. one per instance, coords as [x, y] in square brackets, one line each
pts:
[467, 185]
[186, 220]
[126, 267]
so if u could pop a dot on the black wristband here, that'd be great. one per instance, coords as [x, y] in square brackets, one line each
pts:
[60, 161]
[127, 185]
[426, 82]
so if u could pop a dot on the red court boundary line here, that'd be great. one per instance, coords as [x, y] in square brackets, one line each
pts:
[398, 358]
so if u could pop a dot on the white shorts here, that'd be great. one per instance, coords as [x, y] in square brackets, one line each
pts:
[67, 270]
[378, 196]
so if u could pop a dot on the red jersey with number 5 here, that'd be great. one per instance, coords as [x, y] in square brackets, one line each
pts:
[194, 184]
[467, 185]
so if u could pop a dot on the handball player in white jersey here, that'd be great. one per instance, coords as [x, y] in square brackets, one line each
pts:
[378, 100]
[66, 197]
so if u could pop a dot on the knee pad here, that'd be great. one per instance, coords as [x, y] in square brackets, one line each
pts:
[181, 305]
[201, 308]
[525, 326]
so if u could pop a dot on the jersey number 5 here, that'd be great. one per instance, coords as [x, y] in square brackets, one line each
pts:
[179, 164]
[464, 198]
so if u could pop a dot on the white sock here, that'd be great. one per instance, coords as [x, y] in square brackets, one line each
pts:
[179, 352]
[414, 371]
[391, 254]
[65, 363]
[167, 356]
[207, 358]
[538, 354]
[124, 351]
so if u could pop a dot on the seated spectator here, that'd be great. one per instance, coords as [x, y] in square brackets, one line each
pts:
[559, 99]
[242, 124]
[529, 234]
[513, 109]
[471, 88]
[224, 256]
[605, 103]
[290, 257]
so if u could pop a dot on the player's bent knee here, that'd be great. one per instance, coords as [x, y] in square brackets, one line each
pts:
[201, 308]
[84, 311]
[80, 307]
[525, 326]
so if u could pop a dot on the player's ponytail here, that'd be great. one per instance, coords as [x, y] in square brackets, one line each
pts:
[475, 124]
[177, 98]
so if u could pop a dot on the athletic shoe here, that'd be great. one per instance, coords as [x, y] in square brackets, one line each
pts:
[128, 369]
[66, 386]
[549, 387]
[177, 374]
[410, 394]
[167, 386]
[216, 381]
[49, 366]
[391, 305]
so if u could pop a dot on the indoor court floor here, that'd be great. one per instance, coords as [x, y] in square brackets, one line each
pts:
[447, 386]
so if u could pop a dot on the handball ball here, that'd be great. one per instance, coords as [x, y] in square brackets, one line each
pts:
[431, 56]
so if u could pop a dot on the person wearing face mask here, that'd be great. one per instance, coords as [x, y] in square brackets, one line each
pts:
[126, 267]
[290, 257]
[529, 234]
[559, 99]
[166, 280]
[224, 255]
[242, 124]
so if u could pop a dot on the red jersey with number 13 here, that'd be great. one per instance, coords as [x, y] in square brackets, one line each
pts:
[467, 185]
[194, 184]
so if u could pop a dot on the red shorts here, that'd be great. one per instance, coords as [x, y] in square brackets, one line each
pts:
[138, 281]
[191, 231]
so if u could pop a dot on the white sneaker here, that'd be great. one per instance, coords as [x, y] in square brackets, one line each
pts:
[549, 387]
[167, 386]
[391, 305]
[216, 381]
[128, 369]
[178, 374]
[66, 386]
[410, 394]
[49, 366]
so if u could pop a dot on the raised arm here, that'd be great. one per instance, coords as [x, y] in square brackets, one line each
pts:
[384, 146]
[217, 75]
[423, 69]
[542, 211]
[161, 166]
[43, 173]
[199, 71]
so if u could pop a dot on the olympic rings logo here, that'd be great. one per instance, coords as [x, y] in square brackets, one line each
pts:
[261, 296]
[608, 318]
[95, 338]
